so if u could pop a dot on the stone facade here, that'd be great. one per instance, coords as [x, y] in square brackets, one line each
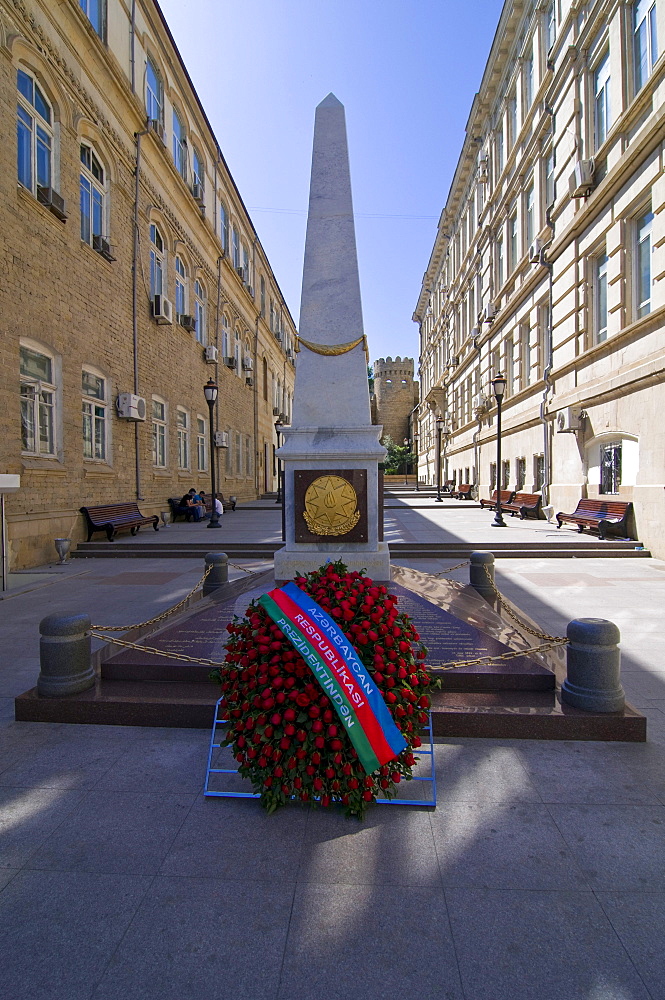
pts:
[549, 265]
[395, 397]
[82, 299]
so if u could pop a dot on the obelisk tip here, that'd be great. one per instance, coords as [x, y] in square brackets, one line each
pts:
[330, 102]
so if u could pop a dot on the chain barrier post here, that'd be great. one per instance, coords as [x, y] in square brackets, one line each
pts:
[65, 656]
[593, 682]
[481, 574]
[218, 565]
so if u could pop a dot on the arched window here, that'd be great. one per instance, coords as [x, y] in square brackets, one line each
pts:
[179, 145]
[224, 227]
[156, 262]
[92, 186]
[154, 94]
[200, 312]
[226, 337]
[265, 379]
[182, 431]
[159, 440]
[95, 10]
[237, 353]
[38, 401]
[198, 171]
[201, 443]
[235, 248]
[245, 264]
[34, 134]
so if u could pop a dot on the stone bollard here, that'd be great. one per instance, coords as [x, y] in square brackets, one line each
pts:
[64, 656]
[478, 576]
[218, 575]
[594, 666]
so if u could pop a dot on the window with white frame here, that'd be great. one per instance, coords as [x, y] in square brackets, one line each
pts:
[248, 455]
[643, 227]
[237, 352]
[525, 355]
[235, 248]
[94, 413]
[498, 150]
[201, 443]
[182, 433]
[95, 11]
[645, 40]
[492, 475]
[550, 25]
[600, 298]
[38, 402]
[512, 385]
[610, 467]
[500, 268]
[180, 288]
[601, 92]
[92, 185]
[198, 171]
[224, 227]
[263, 296]
[530, 214]
[34, 134]
[505, 474]
[159, 450]
[179, 145]
[520, 473]
[200, 312]
[237, 448]
[511, 119]
[154, 93]
[527, 78]
[226, 337]
[513, 248]
[550, 183]
[538, 472]
[156, 262]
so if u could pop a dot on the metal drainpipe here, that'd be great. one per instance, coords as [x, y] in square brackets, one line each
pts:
[132, 45]
[217, 314]
[135, 313]
[256, 371]
[549, 364]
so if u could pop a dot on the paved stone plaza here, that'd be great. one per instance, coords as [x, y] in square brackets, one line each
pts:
[540, 875]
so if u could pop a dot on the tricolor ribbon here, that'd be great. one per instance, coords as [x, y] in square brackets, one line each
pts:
[335, 664]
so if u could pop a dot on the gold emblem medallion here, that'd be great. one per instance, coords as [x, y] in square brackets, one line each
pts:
[331, 506]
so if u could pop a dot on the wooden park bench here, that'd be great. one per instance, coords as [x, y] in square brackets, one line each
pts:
[113, 517]
[463, 492]
[506, 497]
[601, 514]
[524, 504]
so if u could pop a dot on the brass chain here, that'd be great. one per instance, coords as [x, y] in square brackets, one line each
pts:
[157, 618]
[451, 569]
[511, 655]
[157, 652]
[527, 628]
[252, 572]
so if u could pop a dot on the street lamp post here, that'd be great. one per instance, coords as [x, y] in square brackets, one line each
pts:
[278, 429]
[406, 461]
[499, 386]
[210, 392]
[415, 451]
[439, 431]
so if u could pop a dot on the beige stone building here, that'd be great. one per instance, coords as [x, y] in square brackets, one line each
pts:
[132, 274]
[549, 265]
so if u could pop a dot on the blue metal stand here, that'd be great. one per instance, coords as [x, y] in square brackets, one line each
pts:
[428, 779]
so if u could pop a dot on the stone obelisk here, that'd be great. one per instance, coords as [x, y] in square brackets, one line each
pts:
[331, 451]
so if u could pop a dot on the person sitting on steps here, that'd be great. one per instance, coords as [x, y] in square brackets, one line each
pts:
[192, 506]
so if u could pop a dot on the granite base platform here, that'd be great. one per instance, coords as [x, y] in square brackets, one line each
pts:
[517, 698]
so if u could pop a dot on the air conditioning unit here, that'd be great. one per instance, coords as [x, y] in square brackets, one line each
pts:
[249, 381]
[240, 271]
[247, 364]
[155, 126]
[480, 402]
[53, 201]
[220, 439]
[275, 411]
[454, 360]
[103, 247]
[231, 363]
[581, 180]
[475, 333]
[488, 314]
[211, 354]
[567, 420]
[162, 310]
[250, 290]
[278, 336]
[189, 322]
[130, 407]
[535, 252]
[197, 191]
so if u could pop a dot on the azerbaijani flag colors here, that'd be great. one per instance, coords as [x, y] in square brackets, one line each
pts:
[335, 664]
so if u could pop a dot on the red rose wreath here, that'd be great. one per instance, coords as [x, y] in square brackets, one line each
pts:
[285, 733]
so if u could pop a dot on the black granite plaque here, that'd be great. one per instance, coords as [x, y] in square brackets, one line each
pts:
[326, 509]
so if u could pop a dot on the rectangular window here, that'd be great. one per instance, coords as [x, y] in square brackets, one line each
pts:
[179, 145]
[505, 474]
[235, 247]
[530, 215]
[550, 26]
[527, 76]
[263, 296]
[33, 133]
[511, 118]
[159, 434]
[224, 228]
[643, 228]
[550, 184]
[520, 474]
[538, 471]
[182, 428]
[525, 356]
[645, 40]
[600, 298]
[610, 467]
[499, 153]
[37, 403]
[500, 269]
[94, 416]
[238, 453]
[512, 242]
[512, 385]
[492, 475]
[602, 111]
[95, 10]
[248, 455]
[92, 188]
[201, 449]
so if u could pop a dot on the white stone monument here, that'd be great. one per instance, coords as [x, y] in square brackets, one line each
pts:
[331, 451]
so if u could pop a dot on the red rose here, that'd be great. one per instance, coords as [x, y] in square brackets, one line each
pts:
[278, 772]
[396, 777]
[368, 796]
[284, 743]
[302, 700]
[319, 742]
[316, 757]
[289, 730]
[318, 784]
[289, 715]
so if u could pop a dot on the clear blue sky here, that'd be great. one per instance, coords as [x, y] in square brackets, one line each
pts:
[406, 71]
